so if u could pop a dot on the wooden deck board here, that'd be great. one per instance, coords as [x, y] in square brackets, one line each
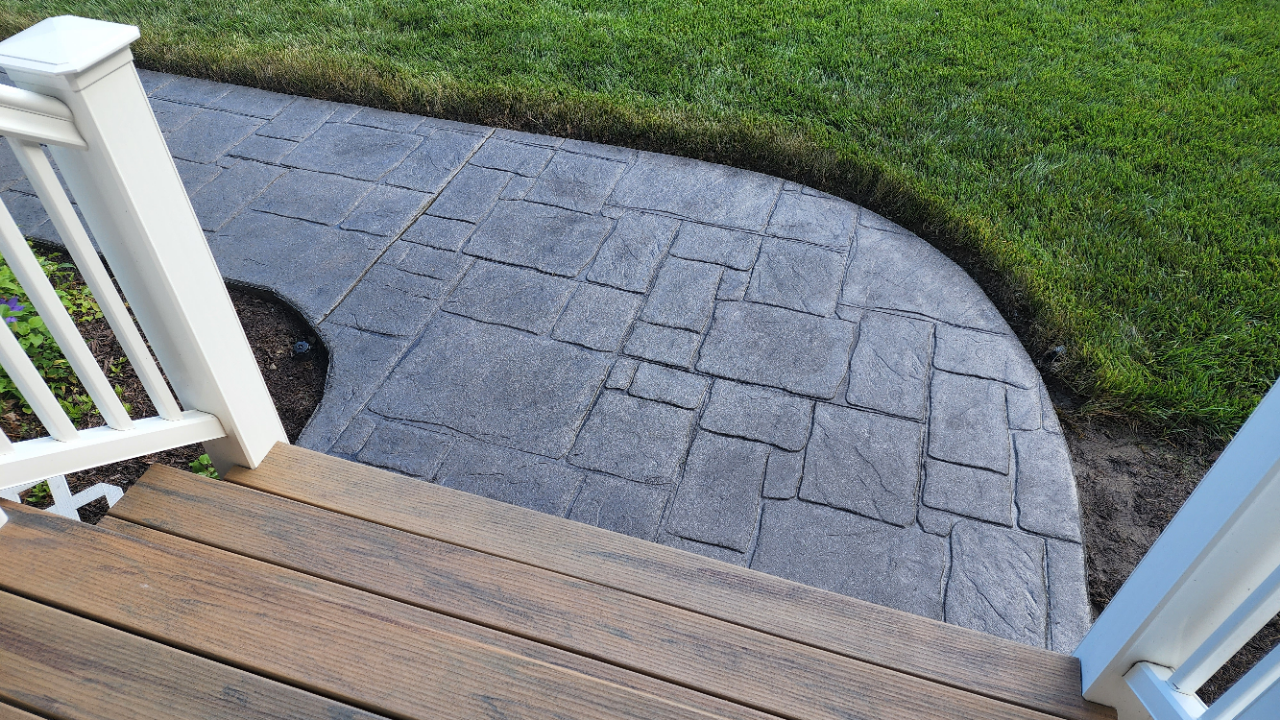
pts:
[931, 650]
[368, 651]
[70, 668]
[663, 641]
[313, 587]
[710, 705]
[8, 712]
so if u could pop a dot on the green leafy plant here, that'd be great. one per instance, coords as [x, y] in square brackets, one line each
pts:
[17, 311]
[204, 466]
[39, 495]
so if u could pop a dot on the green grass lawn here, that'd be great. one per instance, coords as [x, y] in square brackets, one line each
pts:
[1110, 171]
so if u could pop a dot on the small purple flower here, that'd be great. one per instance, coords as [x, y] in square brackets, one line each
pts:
[14, 307]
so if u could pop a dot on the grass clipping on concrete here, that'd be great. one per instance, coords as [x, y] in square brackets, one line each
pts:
[1109, 172]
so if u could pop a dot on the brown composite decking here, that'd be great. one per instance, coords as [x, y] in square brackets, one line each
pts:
[312, 587]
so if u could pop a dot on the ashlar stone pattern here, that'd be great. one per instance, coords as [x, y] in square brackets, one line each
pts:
[680, 351]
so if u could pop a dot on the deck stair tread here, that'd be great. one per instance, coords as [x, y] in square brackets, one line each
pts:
[357, 587]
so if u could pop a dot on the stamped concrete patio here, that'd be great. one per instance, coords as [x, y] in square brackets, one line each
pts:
[692, 354]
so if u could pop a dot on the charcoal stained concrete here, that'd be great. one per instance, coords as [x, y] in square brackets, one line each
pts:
[683, 352]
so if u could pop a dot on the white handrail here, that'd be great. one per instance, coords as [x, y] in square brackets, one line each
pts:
[37, 118]
[79, 94]
[1206, 586]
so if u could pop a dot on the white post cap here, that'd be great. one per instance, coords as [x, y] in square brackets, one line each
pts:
[65, 45]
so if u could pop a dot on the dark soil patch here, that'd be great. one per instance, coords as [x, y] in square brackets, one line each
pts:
[295, 381]
[1131, 485]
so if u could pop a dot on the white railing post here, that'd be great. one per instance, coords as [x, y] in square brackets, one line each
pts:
[137, 208]
[1206, 586]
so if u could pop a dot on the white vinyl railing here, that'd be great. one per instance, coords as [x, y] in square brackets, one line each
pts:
[79, 96]
[1208, 584]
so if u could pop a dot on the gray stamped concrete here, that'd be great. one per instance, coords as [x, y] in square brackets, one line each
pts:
[683, 352]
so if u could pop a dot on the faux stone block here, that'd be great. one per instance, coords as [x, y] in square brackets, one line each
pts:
[732, 248]
[662, 344]
[997, 583]
[1047, 502]
[999, 357]
[431, 126]
[389, 301]
[623, 372]
[821, 220]
[865, 463]
[525, 138]
[733, 285]
[510, 296]
[508, 387]
[470, 194]
[875, 221]
[777, 347]
[209, 134]
[1024, 408]
[699, 191]
[358, 362]
[597, 317]
[516, 478]
[630, 256]
[1049, 421]
[902, 272]
[674, 387]
[195, 175]
[435, 161]
[263, 149]
[193, 91]
[228, 193]
[797, 276]
[556, 241]
[385, 210]
[1069, 615]
[405, 449]
[356, 434]
[426, 261]
[387, 120]
[901, 568]
[969, 424]
[517, 187]
[171, 116]
[889, 370]
[261, 249]
[576, 182]
[151, 80]
[683, 295]
[623, 506]
[634, 438]
[252, 101]
[299, 120]
[313, 196]
[27, 212]
[758, 413]
[715, 552]
[937, 522]
[608, 152]
[352, 150]
[514, 157]
[439, 232]
[782, 474]
[969, 491]
[718, 501]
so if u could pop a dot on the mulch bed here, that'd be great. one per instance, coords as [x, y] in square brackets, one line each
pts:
[295, 381]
